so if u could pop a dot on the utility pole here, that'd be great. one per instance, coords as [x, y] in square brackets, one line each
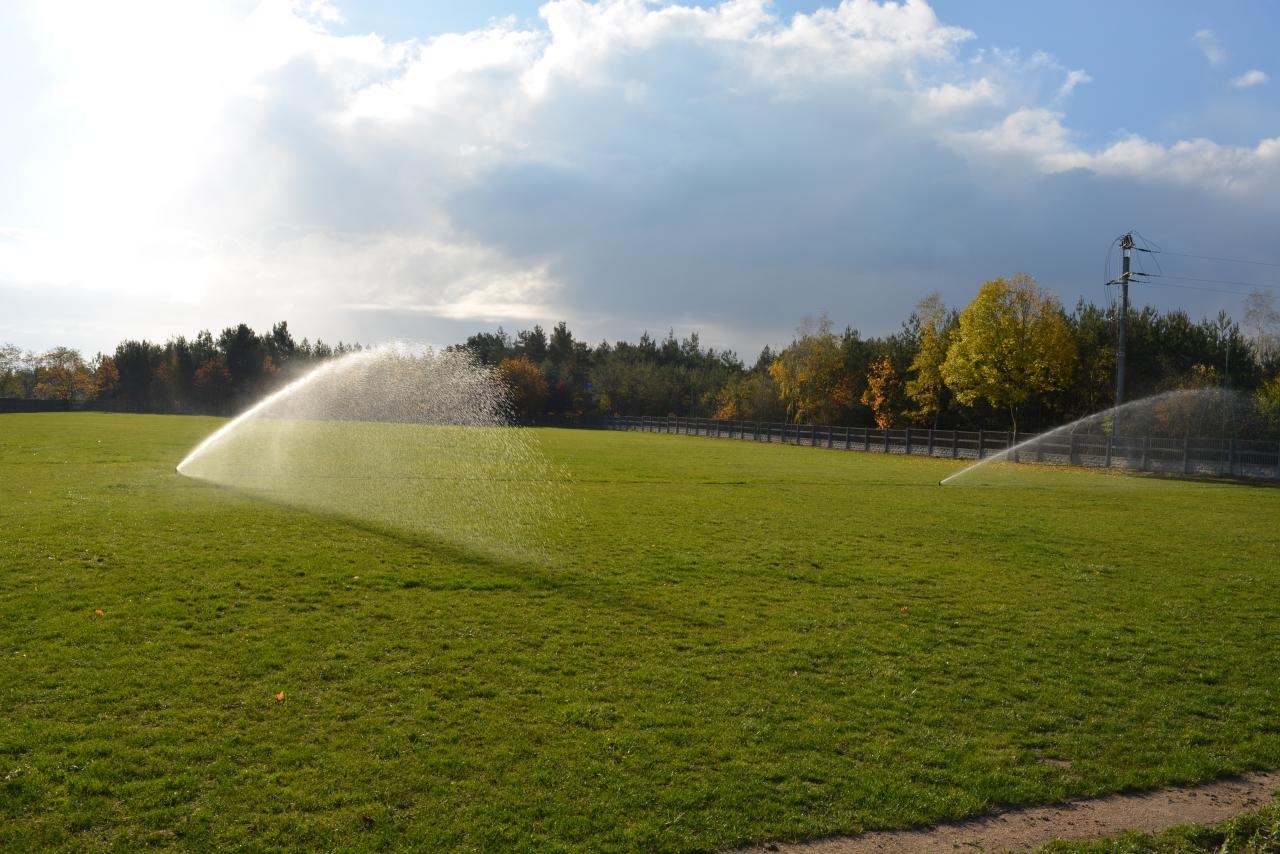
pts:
[1125, 278]
[1126, 249]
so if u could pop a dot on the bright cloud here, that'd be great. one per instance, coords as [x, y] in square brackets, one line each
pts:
[1074, 79]
[1039, 138]
[1250, 79]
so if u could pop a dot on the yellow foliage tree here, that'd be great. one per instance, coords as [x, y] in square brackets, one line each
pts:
[1013, 341]
[751, 397]
[811, 376]
[1267, 401]
[926, 387]
[527, 386]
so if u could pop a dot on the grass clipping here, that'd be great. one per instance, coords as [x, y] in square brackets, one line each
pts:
[397, 437]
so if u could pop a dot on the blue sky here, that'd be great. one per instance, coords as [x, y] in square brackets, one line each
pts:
[376, 170]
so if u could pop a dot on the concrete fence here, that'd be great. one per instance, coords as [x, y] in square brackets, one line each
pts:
[1187, 455]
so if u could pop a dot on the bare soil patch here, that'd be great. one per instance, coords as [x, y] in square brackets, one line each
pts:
[1029, 828]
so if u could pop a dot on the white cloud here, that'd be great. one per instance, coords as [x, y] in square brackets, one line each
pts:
[1250, 79]
[1033, 135]
[1209, 46]
[1038, 138]
[1074, 79]
[949, 97]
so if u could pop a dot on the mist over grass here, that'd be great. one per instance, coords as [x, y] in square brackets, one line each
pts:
[412, 440]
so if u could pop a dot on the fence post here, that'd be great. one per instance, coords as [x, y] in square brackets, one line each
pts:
[908, 445]
[1146, 451]
[980, 437]
[1186, 455]
[930, 441]
[1071, 449]
[886, 441]
[846, 442]
[830, 430]
[1231, 455]
[1107, 460]
[1013, 445]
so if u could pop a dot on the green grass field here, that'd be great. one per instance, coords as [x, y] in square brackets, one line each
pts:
[718, 642]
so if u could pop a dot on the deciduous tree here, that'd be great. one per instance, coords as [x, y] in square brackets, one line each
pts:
[526, 385]
[1262, 323]
[884, 393]
[811, 375]
[13, 364]
[752, 396]
[105, 376]
[61, 374]
[1267, 401]
[1012, 342]
[926, 387]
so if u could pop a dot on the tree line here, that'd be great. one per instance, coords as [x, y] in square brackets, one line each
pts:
[1013, 358]
[203, 374]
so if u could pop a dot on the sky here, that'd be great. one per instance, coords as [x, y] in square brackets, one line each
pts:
[426, 170]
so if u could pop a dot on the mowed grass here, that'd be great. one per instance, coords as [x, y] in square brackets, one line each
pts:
[721, 642]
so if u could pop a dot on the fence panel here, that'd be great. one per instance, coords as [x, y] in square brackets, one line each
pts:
[1190, 455]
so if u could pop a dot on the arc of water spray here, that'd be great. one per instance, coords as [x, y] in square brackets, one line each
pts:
[1009, 452]
[302, 382]
[1114, 413]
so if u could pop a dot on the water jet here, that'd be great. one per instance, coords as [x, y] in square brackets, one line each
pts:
[1206, 431]
[397, 436]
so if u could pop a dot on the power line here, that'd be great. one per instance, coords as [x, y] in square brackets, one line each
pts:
[1198, 288]
[1211, 258]
[1254, 285]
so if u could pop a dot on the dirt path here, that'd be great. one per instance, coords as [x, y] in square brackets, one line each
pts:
[1029, 828]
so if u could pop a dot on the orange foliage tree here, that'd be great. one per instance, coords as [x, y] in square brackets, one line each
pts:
[527, 386]
[884, 393]
[61, 374]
